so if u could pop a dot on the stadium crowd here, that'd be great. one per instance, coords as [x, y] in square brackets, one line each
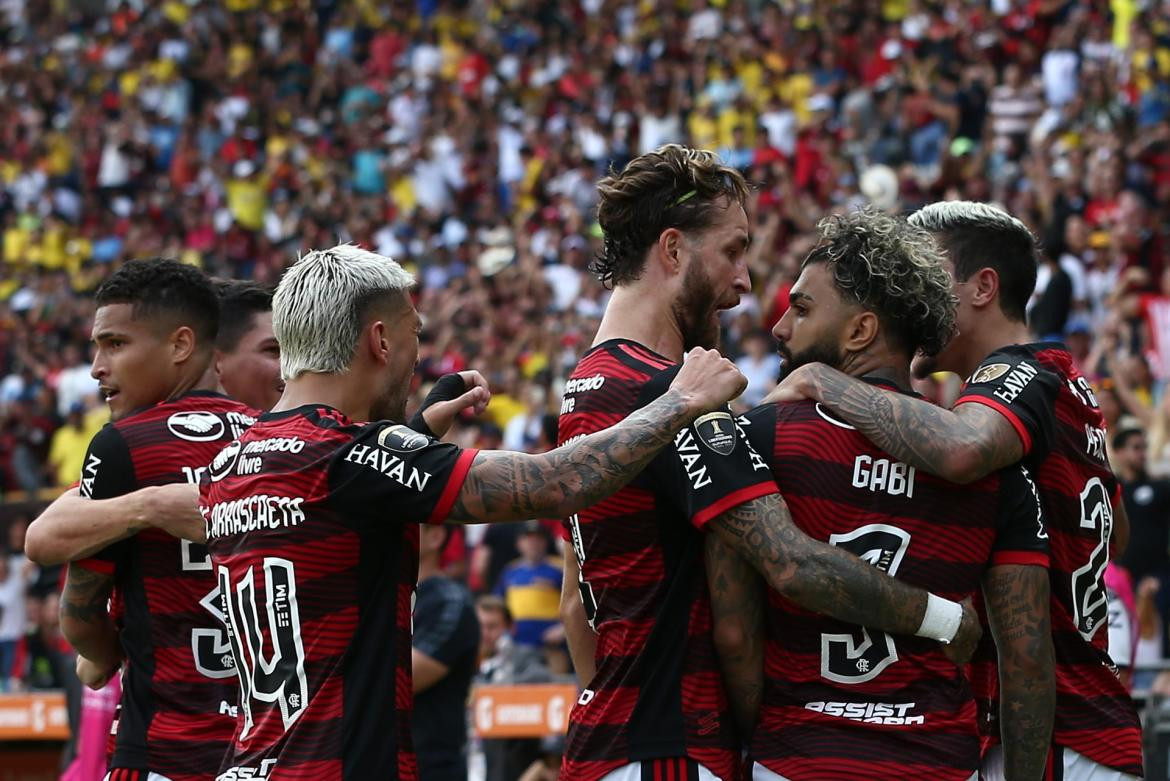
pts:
[465, 139]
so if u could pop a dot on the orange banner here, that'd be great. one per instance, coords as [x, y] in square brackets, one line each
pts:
[531, 711]
[37, 716]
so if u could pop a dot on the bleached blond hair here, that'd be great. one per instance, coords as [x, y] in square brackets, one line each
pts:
[319, 305]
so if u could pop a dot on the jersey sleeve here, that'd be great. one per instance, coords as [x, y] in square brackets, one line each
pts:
[759, 424]
[107, 471]
[1023, 391]
[390, 472]
[1022, 536]
[710, 467]
[445, 626]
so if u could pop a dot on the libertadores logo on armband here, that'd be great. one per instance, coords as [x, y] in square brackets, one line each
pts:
[717, 431]
[401, 439]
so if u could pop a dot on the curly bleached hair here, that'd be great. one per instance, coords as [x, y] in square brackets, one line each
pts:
[672, 187]
[893, 269]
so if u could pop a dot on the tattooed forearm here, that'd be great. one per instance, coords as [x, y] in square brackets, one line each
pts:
[815, 575]
[737, 613]
[505, 486]
[1017, 609]
[85, 619]
[960, 446]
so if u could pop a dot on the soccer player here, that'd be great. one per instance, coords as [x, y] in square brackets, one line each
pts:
[842, 701]
[247, 357]
[245, 366]
[635, 602]
[154, 330]
[246, 362]
[1023, 402]
[312, 518]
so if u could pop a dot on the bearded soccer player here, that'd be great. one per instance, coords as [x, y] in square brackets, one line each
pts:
[1023, 402]
[245, 366]
[842, 701]
[312, 518]
[154, 330]
[635, 600]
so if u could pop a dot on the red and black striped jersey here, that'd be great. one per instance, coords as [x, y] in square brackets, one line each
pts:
[842, 701]
[178, 705]
[312, 527]
[1051, 406]
[657, 692]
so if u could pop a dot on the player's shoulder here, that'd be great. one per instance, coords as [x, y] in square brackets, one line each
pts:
[618, 359]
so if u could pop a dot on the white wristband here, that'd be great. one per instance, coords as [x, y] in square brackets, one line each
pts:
[941, 620]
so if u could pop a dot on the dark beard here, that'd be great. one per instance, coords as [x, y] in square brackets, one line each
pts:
[827, 352]
[695, 310]
[391, 406]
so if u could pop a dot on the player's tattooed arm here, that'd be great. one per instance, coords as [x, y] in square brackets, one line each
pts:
[827, 579]
[960, 445]
[737, 614]
[507, 486]
[503, 486]
[1017, 609]
[85, 618]
[74, 527]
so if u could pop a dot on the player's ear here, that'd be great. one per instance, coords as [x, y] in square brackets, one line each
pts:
[670, 249]
[861, 331]
[985, 286]
[182, 343]
[377, 341]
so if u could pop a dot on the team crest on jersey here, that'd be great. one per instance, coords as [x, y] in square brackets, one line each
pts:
[401, 439]
[716, 430]
[196, 426]
[992, 371]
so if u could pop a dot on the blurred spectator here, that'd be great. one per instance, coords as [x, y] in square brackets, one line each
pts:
[445, 641]
[531, 588]
[1147, 503]
[16, 574]
[760, 363]
[68, 445]
[43, 659]
[504, 661]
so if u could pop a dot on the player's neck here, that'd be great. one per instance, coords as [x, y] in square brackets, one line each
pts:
[204, 381]
[997, 333]
[326, 390]
[633, 313]
[883, 366]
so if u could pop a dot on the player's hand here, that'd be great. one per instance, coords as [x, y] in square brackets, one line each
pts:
[441, 407]
[708, 380]
[174, 508]
[962, 648]
[92, 675]
[796, 386]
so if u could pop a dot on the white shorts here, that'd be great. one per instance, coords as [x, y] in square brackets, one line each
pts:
[1076, 767]
[761, 773]
[634, 772]
[149, 776]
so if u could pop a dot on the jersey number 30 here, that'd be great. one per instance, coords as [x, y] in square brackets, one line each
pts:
[861, 655]
[276, 677]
